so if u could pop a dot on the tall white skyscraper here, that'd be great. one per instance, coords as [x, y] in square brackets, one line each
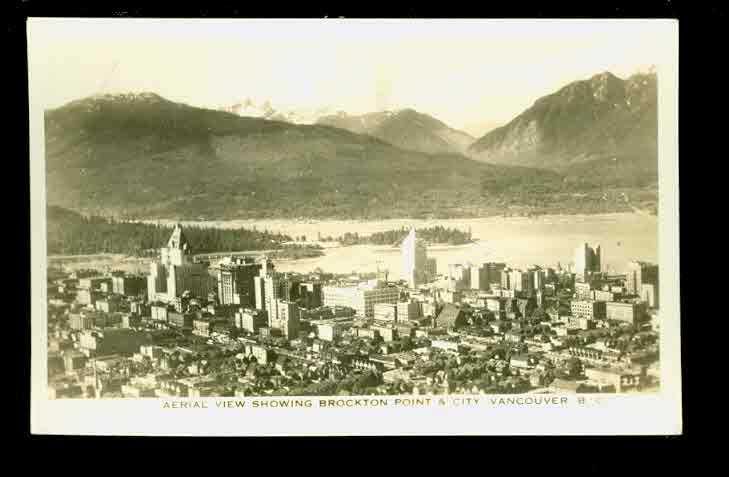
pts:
[415, 263]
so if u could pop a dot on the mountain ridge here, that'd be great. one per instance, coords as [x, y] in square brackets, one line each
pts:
[143, 156]
[405, 128]
[593, 119]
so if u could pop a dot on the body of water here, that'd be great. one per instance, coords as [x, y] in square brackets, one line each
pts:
[518, 241]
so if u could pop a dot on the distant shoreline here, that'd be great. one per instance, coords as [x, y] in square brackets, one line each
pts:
[233, 223]
[385, 224]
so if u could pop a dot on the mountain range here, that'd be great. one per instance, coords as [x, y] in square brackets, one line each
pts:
[267, 110]
[406, 129]
[143, 156]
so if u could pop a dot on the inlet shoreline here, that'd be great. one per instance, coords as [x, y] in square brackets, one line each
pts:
[519, 241]
[404, 222]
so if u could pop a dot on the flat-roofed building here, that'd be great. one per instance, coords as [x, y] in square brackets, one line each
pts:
[112, 341]
[639, 273]
[616, 379]
[128, 285]
[284, 316]
[180, 320]
[587, 260]
[603, 295]
[159, 312]
[408, 310]
[590, 309]
[451, 316]
[93, 283]
[385, 312]
[80, 321]
[361, 298]
[649, 294]
[235, 281]
[250, 320]
[330, 331]
[633, 313]
[583, 291]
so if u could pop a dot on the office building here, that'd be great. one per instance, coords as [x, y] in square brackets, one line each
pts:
[649, 294]
[329, 331]
[583, 291]
[159, 312]
[385, 312]
[506, 279]
[180, 320]
[526, 306]
[259, 291]
[519, 281]
[538, 278]
[587, 260]
[493, 272]
[459, 276]
[408, 310]
[111, 341]
[284, 316]
[639, 273]
[128, 285]
[272, 292]
[93, 283]
[289, 287]
[80, 321]
[479, 278]
[362, 297]
[87, 297]
[590, 309]
[250, 320]
[310, 294]
[633, 313]
[451, 316]
[235, 281]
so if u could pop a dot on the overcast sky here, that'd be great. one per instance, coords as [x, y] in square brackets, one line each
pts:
[473, 75]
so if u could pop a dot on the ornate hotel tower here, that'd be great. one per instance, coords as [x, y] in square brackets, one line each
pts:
[176, 273]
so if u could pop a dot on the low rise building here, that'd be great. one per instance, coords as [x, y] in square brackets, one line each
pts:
[159, 312]
[112, 341]
[180, 320]
[362, 297]
[616, 379]
[250, 319]
[329, 331]
[385, 312]
[80, 321]
[633, 313]
[129, 285]
[590, 309]
[73, 360]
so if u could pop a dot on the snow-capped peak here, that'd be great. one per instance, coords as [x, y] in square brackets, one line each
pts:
[265, 110]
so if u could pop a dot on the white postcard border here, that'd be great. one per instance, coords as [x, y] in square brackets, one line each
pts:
[644, 414]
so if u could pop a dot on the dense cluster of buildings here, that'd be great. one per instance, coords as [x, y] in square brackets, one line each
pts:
[239, 328]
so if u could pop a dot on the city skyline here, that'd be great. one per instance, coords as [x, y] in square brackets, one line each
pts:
[540, 330]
